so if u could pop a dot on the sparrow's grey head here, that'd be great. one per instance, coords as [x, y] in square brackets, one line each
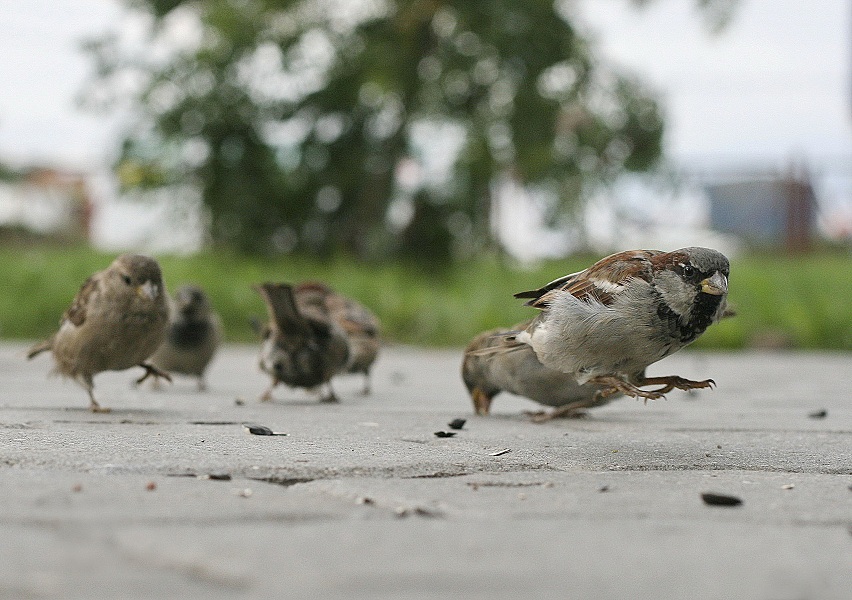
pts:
[694, 286]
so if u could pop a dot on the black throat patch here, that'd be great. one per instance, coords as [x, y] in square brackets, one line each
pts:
[701, 317]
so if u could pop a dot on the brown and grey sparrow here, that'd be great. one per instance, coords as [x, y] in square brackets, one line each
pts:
[359, 323]
[115, 322]
[518, 371]
[605, 324]
[193, 335]
[302, 346]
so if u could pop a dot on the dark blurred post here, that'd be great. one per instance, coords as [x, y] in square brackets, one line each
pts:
[800, 204]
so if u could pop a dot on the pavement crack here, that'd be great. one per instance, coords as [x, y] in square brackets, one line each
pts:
[438, 475]
[731, 467]
[284, 481]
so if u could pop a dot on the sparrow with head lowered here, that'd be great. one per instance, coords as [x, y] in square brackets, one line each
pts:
[193, 335]
[302, 345]
[115, 322]
[518, 371]
[605, 324]
[357, 321]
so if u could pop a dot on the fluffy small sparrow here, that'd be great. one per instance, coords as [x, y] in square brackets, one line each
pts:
[605, 324]
[115, 322]
[359, 323]
[302, 345]
[193, 335]
[518, 371]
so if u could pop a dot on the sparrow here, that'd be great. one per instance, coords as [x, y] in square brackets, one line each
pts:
[117, 319]
[518, 371]
[606, 324]
[193, 335]
[302, 345]
[357, 321]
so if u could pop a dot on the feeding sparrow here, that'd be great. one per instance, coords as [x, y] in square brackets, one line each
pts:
[115, 322]
[302, 345]
[518, 371]
[193, 335]
[357, 321]
[605, 324]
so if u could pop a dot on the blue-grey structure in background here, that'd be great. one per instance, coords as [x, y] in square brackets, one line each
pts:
[765, 212]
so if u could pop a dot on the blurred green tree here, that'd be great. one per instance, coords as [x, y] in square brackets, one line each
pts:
[374, 127]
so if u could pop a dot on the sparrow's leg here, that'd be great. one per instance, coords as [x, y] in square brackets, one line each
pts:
[611, 384]
[87, 383]
[327, 394]
[152, 370]
[365, 391]
[573, 410]
[569, 411]
[266, 396]
[202, 385]
[481, 401]
[670, 382]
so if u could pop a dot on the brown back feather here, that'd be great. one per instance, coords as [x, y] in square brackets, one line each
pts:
[613, 270]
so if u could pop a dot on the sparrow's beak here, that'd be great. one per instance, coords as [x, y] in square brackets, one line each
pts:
[717, 284]
[148, 290]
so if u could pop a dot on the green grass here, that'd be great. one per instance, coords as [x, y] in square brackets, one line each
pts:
[803, 302]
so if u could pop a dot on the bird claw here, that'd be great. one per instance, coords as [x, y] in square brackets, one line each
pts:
[151, 370]
[614, 384]
[671, 382]
[564, 412]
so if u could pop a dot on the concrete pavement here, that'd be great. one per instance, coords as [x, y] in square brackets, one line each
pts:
[167, 496]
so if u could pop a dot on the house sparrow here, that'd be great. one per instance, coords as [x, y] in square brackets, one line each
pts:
[518, 371]
[302, 346]
[359, 323]
[604, 325]
[193, 335]
[115, 322]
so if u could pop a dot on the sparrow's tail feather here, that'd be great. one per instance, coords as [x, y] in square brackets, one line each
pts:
[39, 348]
[500, 343]
[281, 306]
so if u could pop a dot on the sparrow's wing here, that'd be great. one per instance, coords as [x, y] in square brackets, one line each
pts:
[601, 282]
[353, 317]
[281, 307]
[556, 283]
[76, 314]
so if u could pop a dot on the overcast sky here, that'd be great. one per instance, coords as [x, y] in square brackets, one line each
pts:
[775, 84]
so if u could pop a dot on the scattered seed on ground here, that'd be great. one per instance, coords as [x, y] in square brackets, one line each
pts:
[720, 499]
[261, 430]
[444, 434]
[818, 414]
[457, 423]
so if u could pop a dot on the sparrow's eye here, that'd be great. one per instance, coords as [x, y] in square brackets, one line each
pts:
[688, 271]
[126, 279]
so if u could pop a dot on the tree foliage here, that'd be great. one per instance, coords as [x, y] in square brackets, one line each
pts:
[369, 126]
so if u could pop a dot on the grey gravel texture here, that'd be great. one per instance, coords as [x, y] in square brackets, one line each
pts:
[169, 496]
